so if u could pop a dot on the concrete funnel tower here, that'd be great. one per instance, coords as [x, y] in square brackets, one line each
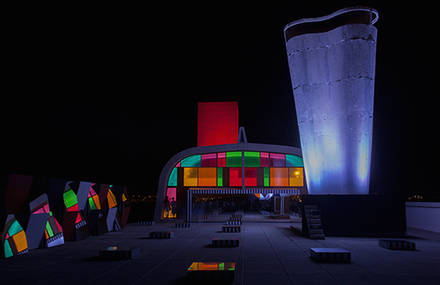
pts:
[332, 65]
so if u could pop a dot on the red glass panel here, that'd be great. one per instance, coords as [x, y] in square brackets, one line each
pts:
[209, 160]
[74, 208]
[221, 159]
[250, 176]
[235, 176]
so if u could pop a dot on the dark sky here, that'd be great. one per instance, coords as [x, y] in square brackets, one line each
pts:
[109, 93]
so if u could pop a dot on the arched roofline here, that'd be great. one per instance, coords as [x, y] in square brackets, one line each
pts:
[166, 170]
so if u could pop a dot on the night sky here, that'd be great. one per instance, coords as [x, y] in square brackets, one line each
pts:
[109, 94]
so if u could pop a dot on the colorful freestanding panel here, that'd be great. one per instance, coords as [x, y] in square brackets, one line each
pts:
[14, 239]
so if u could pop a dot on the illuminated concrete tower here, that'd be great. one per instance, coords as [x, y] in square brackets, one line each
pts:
[332, 66]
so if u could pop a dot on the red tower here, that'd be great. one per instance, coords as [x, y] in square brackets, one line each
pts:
[217, 123]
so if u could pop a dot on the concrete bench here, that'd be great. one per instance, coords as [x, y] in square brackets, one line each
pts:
[117, 253]
[330, 255]
[231, 229]
[217, 242]
[147, 223]
[233, 222]
[183, 225]
[395, 244]
[212, 272]
[161, 235]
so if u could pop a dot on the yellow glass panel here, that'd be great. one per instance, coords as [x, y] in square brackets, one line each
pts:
[20, 241]
[208, 176]
[296, 176]
[189, 176]
[279, 176]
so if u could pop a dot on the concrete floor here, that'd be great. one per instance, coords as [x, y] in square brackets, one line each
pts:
[269, 253]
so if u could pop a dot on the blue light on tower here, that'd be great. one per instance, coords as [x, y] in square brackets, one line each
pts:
[332, 67]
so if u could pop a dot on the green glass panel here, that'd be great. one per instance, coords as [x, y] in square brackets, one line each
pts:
[294, 160]
[266, 177]
[8, 250]
[191, 161]
[233, 159]
[49, 229]
[70, 198]
[221, 266]
[220, 177]
[172, 181]
[251, 159]
[92, 204]
[15, 228]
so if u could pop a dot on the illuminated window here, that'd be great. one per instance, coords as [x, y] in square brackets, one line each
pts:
[266, 177]
[251, 159]
[221, 159]
[191, 161]
[189, 176]
[209, 160]
[277, 160]
[235, 177]
[296, 177]
[207, 176]
[294, 160]
[220, 177]
[172, 181]
[250, 176]
[233, 159]
[264, 159]
[279, 176]
[168, 212]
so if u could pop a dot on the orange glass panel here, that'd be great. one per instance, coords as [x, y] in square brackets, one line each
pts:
[111, 199]
[296, 176]
[20, 241]
[189, 176]
[279, 176]
[208, 176]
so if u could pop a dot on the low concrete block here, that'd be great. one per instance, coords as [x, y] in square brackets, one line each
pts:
[231, 229]
[212, 272]
[217, 242]
[397, 244]
[337, 255]
[183, 225]
[117, 253]
[161, 235]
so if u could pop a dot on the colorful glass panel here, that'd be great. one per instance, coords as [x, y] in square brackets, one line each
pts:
[221, 159]
[251, 159]
[233, 159]
[20, 241]
[264, 159]
[172, 181]
[111, 198]
[294, 160]
[8, 250]
[70, 198]
[250, 176]
[191, 161]
[207, 176]
[277, 160]
[279, 176]
[189, 176]
[266, 177]
[15, 228]
[219, 177]
[209, 160]
[296, 177]
[235, 177]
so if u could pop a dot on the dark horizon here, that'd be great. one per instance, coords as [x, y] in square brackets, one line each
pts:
[109, 95]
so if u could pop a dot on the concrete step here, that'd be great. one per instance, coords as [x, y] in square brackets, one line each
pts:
[316, 236]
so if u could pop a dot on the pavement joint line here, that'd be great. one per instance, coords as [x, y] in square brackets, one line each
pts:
[166, 259]
[277, 256]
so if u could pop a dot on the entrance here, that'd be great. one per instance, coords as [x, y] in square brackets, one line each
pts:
[253, 207]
